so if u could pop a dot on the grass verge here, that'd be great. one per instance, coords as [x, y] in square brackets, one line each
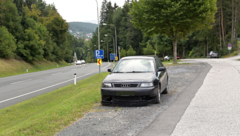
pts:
[235, 53]
[51, 112]
[238, 43]
[170, 62]
[10, 67]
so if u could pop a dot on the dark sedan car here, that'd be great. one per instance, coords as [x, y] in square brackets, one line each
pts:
[135, 80]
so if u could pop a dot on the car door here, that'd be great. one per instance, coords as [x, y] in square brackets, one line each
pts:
[161, 75]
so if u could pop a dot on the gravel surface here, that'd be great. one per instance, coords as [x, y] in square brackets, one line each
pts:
[129, 121]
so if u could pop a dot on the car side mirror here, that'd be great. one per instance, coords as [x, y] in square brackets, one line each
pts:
[109, 70]
[161, 69]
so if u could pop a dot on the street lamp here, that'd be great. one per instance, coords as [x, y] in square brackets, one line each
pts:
[107, 50]
[98, 27]
[113, 43]
[98, 35]
[115, 35]
[119, 52]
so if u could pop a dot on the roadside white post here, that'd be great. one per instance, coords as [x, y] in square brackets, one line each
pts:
[26, 70]
[57, 65]
[75, 78]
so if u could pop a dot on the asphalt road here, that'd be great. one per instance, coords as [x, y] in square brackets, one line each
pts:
[214, 111]
[18, 88]
[209, 106]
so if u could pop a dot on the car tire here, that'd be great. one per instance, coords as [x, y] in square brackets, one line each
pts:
[158, 98]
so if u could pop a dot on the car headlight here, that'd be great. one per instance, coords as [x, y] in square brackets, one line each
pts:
[106, 85]
[146, 85]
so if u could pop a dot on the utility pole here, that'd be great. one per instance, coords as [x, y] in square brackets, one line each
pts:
[119, 52]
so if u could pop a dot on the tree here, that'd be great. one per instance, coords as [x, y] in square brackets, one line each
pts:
[123, 53]
[12, 21]
[162, 44]
[31, 48]
[2, 11]
[57, 27]
[19, 5]
[7, 43]
[148, 50]
[130, 51]
[103, 14]
[174, 18]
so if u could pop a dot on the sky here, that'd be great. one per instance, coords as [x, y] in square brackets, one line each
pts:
[80, 10]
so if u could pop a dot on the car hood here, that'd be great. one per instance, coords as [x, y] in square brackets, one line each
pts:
[130, 77]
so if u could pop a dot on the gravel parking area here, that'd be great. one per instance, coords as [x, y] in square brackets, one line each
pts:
[128, 121]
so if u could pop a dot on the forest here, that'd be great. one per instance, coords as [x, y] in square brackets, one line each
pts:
[82, 26]
[32, 30]
[133, 41]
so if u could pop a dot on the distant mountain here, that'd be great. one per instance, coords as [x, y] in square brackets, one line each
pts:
[82, 27]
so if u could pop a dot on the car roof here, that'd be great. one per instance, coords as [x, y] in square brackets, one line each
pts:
[139, 57]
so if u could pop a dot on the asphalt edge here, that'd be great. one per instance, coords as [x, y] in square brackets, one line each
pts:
[166, 122]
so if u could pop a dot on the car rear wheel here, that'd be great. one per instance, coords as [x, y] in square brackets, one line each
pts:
[158, 99]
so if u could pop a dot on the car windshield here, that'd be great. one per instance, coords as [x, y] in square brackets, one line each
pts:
[134, 66]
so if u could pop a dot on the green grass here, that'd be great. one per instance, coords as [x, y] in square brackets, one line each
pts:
[238, 43]
[10, 67]
[49, 113]
[235, 53]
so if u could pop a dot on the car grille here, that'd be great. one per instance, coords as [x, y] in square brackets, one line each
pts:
[125, 85]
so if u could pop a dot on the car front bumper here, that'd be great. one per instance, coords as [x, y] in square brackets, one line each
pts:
[128, 96]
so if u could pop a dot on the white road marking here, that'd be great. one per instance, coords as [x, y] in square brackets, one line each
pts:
[73, 69]
[45, 88]
[26, 74]
[56, 73]
[21, 81]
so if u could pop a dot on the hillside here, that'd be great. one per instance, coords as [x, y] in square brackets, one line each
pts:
[81, 29]
[10, 67]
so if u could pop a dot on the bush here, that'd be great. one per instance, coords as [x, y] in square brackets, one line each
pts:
[235, 53]
[8, 45]
[131, 52]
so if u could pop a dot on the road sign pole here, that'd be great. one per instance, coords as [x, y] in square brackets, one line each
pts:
[99, 69]
[99, 54]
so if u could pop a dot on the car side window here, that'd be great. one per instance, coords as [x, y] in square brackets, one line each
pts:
[157, 63]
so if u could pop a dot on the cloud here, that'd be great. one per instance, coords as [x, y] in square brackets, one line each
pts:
[80, 10]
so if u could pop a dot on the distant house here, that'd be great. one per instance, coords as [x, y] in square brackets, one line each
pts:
[86, 39]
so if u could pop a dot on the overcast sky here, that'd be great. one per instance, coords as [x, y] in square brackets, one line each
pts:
[80, 10]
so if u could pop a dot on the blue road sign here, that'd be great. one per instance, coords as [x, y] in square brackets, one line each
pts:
[99, 54]
[229, 45]
[112, 56]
